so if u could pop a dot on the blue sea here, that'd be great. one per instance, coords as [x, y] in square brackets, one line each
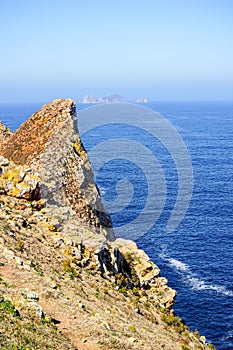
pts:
[196, 256]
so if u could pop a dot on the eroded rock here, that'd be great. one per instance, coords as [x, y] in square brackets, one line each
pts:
[49, 143]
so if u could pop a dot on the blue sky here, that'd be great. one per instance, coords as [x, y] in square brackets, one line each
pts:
[163, 50]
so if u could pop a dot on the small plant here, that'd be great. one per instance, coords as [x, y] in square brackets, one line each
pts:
[102, 342]
[147, 305]
[173, 321]
[48, 322]
[121, 281]
[116, 334]
[97, 295]
[211, 346]
[135, 291]
[7, 306]
[20, 246]
[132, 328]
[184, 334]
[37, 268]
[184, 347]
[52, 228]
[66, 266]
[123, 291]
[163, 310]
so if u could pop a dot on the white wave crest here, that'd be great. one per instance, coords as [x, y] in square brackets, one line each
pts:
[191, 278]
[178, 264]
[228, 335]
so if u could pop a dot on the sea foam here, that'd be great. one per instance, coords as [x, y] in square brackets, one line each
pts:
[190, 277]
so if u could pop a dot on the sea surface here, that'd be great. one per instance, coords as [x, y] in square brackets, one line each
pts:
[197, 256]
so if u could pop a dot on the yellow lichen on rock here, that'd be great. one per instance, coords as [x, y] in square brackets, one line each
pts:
[16, 180]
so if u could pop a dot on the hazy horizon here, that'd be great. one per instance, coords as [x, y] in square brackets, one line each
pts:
[164, 51]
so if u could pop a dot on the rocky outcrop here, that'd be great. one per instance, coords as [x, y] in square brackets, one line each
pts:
[88, 250]
[49, 143]
[94, 290]
[4, 133]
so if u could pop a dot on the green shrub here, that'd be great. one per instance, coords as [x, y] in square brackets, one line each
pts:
[175, 322]
[8, 307]
[184, 347]
[123, 291]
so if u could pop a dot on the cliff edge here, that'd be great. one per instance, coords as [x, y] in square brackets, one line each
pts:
[64, 281]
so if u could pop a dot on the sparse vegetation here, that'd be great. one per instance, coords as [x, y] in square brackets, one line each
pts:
[7, 306]
[173, 321]
[132, 328]
[184, 347]
[45, 248]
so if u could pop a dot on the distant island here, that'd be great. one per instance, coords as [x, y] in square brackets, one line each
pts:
[142, 100]
[113, 98]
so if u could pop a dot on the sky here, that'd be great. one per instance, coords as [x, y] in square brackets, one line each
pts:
[159, 49]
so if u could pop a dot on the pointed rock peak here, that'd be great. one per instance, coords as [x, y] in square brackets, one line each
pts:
[27, 142]
[49, 143]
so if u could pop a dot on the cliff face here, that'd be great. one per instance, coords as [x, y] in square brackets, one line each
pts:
[48, 142]
[79, 289]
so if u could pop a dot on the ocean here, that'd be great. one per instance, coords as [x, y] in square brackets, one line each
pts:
[196, 253]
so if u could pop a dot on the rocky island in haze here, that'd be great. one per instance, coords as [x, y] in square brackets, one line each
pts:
[142, 100]
[114, 98]
[65, 281]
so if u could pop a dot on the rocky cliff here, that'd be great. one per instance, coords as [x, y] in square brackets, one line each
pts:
[49, 143]
[65, 282]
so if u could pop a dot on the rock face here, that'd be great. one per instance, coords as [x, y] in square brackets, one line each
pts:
[4, 133]
[48, 142]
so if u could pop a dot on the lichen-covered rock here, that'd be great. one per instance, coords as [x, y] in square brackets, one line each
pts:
[18, 181]
[49, 143]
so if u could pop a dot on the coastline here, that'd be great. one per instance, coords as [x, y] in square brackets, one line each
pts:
[128, 273]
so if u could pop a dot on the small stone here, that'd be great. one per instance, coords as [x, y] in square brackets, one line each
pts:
[53, 285]
[84, 340]
[132, 340]
[27, 267]
[59, 242]
[203, 339]
[39, 311]
[4, 161]
[19, 261]
[32, 296]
